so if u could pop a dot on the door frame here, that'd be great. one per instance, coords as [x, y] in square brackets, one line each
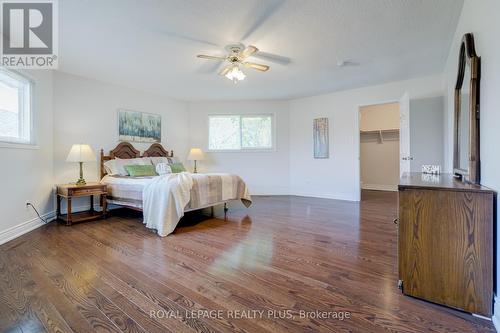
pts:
[358, 136]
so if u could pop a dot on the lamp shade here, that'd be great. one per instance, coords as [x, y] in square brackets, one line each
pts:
[195, 154]
[81, 153]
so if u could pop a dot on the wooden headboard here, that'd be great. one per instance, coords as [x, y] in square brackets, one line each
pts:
[125, 150]
[157, 150]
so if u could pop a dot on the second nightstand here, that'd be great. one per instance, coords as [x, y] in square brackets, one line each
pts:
[70, 191]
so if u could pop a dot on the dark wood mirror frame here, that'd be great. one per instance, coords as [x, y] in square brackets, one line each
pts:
[468, 56]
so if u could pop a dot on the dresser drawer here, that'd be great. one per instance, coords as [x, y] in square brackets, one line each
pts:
[86, 191]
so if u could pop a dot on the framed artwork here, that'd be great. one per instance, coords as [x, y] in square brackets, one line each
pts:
[138, 126]
[320, 136]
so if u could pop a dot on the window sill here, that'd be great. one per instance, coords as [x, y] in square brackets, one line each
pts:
[18, 145]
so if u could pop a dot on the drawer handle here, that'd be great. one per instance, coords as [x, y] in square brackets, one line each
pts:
[395, 221]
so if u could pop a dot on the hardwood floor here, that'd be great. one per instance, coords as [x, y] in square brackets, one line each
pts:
[285, 256]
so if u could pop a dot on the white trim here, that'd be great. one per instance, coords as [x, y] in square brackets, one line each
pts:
[379, 187]
[496, 314]
[17, 145]
[24, 227]
[481, 317]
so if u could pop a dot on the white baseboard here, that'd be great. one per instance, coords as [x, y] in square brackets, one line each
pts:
[496, 314]
[22, 228]
[270, 191]
[379, 187]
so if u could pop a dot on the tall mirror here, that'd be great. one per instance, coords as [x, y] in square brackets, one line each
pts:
[466, 131]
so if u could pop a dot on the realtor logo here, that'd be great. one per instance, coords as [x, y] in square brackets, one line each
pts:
[29, 34]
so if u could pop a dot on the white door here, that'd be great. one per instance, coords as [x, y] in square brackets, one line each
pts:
[404, 134]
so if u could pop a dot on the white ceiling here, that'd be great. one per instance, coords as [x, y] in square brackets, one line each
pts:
[152, 45]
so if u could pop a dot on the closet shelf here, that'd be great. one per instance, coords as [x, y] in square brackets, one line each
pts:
[385, 130]
[381, 132]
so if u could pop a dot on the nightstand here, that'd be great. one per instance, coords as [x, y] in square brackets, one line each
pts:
[70, 191]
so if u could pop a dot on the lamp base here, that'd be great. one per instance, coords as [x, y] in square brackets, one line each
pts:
[81, 182]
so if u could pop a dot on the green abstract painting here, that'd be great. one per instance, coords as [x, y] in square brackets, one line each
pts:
[321, 138]
[139, 126]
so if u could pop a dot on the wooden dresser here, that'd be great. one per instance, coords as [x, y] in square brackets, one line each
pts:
[445, 240]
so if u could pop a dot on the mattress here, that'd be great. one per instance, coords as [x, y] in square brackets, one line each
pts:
[125, 191]
[208, 190]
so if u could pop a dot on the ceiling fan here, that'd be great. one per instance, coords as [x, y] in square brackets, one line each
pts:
[237, 53]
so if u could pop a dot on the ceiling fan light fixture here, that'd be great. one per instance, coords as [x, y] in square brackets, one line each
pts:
[236, 59]
[235, 74]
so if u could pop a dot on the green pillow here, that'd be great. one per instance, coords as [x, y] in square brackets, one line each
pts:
[177, 167]
[140, 170]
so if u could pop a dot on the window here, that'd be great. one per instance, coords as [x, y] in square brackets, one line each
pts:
[240, 132]
[15, 108]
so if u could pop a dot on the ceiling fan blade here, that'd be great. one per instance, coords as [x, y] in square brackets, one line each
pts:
[259, 15]
[273, 58]
[259, 67]
[248, 51]
[203, 56]
[209, 67]
[225, 70]
[185, 37]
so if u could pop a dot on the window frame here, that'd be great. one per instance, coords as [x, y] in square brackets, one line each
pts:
[29, 117]
[244, 115]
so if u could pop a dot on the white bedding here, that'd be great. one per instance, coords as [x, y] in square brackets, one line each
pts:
[126, 191]
[164, 199]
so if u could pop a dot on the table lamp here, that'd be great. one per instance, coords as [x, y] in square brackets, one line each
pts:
[81, 153]
[195, 154]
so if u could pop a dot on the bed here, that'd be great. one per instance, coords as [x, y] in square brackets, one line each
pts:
[205, 190]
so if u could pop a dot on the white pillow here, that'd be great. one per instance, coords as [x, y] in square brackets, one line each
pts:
[158, 160]
[111, 168]
[116, 166]
[163, 169]
[146, 160]
[172, 160]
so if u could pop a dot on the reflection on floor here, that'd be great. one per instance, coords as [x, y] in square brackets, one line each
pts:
[296, 262]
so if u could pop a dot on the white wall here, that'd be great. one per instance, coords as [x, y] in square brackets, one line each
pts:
[264, 172]
[480, 18]
[338, 176]
[85, 111]
[26, 174]
[379, 159]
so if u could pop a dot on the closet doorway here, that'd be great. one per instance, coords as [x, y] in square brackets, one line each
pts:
[379, 126]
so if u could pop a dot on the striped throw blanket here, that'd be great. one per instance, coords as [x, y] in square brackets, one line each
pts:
[213, 188]
[165, 198]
